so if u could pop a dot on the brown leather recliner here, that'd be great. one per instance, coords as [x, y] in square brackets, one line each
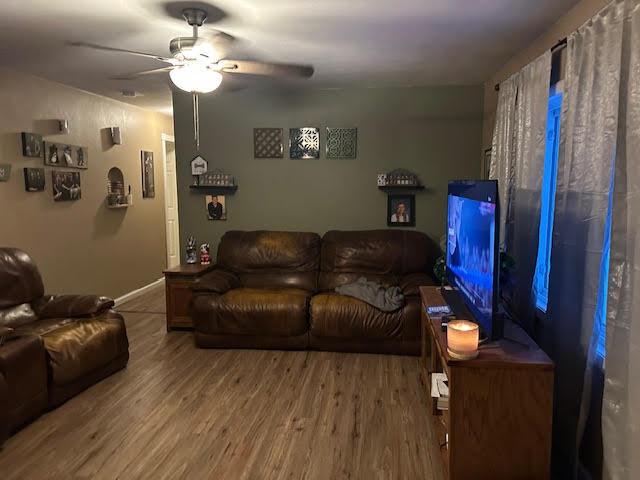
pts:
[55, 345]
[391, 257]
[259, 295]
[270, 290]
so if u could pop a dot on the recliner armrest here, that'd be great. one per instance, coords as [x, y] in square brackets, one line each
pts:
[410, 284]
[216, 281]
[5, 332]
[61, 306]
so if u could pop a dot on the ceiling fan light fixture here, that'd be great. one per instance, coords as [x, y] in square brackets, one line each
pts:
[195, 78]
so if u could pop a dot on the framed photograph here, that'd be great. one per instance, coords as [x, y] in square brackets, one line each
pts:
[66, 186]
[34, 179]
[216, 207]
[5, 172]
[31, 145]
[148, 182]
[401, 210]
[63, 155]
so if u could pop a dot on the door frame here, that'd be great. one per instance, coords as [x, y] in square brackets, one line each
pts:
[166, 138]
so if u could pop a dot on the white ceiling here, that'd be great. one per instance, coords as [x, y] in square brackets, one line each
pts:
[349, 42]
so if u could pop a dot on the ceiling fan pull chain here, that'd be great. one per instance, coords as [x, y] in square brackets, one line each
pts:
[196, 120]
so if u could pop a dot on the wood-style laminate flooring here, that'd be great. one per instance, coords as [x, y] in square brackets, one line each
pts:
[180, 412]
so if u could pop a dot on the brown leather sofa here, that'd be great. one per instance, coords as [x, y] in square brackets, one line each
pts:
[276, 290]
[53, 346]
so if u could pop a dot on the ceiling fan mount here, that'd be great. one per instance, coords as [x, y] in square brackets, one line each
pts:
[194, 16]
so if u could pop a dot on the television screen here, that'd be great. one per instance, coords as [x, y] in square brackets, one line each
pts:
[472, 241]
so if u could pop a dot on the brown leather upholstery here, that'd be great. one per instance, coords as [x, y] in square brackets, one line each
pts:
[23, 364]
[271, 259]
[59, 344]
[252, 311]
[4, 409]
[262, 293]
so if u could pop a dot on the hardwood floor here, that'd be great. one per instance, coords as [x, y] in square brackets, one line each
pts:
[180, 412]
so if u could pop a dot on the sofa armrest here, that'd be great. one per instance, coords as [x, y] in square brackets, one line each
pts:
[64, 306]
[5, 333]
[410, 284]
[216, 281]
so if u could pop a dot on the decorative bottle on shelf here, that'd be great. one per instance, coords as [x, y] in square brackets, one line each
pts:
[129, 197]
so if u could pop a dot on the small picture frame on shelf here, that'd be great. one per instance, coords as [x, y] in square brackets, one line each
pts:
[401, 211]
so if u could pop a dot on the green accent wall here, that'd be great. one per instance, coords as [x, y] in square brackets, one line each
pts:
[433, 131]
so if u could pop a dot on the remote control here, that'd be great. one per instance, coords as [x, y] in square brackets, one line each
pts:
[439, 310]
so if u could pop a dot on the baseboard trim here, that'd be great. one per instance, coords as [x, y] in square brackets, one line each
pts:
[138, 292]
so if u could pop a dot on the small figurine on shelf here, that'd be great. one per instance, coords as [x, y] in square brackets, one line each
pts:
[205, 256]
[192, 251]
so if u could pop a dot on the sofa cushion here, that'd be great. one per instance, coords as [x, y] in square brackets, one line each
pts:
[379, 255]
[76, 347]
[271, 259]
[253, 311]
[340, 316]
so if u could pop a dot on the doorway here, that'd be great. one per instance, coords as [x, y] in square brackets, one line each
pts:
[171, 201]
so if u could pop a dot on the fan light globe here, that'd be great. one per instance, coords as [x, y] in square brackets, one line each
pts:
[195, 78]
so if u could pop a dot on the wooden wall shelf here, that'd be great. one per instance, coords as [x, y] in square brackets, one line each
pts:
[219, 188]
[391, 188]
[498, 423]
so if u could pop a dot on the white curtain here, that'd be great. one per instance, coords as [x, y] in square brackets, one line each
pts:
[517, 162]
[621, 404]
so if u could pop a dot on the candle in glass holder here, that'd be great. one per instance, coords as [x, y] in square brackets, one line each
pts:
[462, 339]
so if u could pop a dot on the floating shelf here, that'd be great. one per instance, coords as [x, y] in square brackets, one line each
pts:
[123, 205]
[222, 188]
[387, 188]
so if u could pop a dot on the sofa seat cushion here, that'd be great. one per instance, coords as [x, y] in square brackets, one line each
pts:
[340, 316]
[77, 347]
[253, 311]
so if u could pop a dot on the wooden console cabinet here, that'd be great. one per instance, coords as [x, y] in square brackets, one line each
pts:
[178, 281]
[498, 424]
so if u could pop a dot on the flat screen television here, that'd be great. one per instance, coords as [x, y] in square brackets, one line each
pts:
[472, 262]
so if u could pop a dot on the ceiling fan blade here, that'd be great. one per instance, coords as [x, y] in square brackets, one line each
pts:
[93, 46]
[262, 68]
[133, 76]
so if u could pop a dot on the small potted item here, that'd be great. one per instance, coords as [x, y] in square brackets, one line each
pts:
[205, 256]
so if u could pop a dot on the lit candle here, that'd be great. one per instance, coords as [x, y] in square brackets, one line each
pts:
[462, 339]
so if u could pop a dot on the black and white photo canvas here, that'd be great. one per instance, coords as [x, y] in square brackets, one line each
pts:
[63, 155]
[148, 182]
[31, 145]
[66, 186]
[34, 179]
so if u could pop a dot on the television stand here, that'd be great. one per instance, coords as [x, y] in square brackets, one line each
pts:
[498, 420]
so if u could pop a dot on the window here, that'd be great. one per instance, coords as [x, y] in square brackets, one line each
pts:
[547, 201]
[600, 320]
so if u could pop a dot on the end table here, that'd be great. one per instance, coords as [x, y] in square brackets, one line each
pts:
[178, 281]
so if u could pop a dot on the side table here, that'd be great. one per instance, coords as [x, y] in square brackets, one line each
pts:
[178, 281]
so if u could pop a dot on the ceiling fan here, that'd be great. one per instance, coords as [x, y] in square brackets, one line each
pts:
[196, 65]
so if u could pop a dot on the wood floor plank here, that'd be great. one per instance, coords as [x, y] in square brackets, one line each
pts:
[181, 412]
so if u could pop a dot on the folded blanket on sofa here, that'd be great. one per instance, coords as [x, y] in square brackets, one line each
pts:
[385, 299]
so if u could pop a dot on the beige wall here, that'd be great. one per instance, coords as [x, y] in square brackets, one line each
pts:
[566, 24]
[81, 246]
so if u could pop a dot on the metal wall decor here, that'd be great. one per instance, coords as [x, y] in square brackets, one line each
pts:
[216, 179]
[304, 142]
[402, 178]
[63, 155]
[342, 142]
[268, 143]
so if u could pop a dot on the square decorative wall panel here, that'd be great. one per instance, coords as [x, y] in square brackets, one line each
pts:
[342, 142]
[268, 143]
[304, 142]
